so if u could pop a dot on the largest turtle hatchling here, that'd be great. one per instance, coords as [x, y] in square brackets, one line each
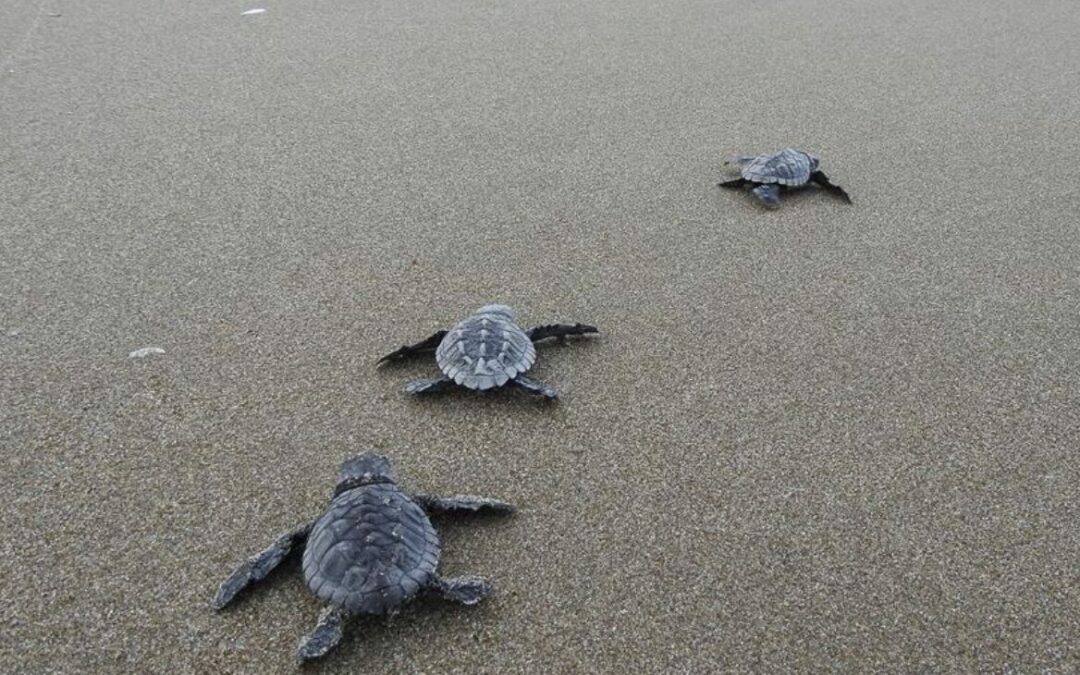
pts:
[767, 175]
[371, 552]
[485, 351]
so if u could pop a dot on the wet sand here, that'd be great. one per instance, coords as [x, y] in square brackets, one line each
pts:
[821, 438]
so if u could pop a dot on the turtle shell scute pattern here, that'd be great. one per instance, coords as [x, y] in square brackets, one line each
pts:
[787, 167]
[485, 351]
[372, 551]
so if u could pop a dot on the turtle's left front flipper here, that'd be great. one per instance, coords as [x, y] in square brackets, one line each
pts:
[462, 503]
[560, 330]
[258, 566]
[734, 184]
[405, 351]
[821, 179]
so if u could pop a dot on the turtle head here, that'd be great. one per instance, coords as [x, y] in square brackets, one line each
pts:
[500, 310]
[364, 470]
[815, 162]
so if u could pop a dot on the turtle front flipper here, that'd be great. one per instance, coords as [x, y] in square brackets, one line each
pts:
[257, 567]
[741, 160]
[535, 388]
[734, 184]
[428, 345]
[768, 194]
[326, 636]
[460, 503]
[430, 386]
[821, 179]
[559, 330]
[467, 590]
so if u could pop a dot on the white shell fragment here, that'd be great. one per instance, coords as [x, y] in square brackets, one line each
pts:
[144, 352]
[252, 11]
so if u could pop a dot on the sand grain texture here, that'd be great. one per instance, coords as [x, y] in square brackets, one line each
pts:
[823, 438]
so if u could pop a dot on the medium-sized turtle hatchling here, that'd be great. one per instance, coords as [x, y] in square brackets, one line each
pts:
[485, 351]
[371, 552]
[790, 168]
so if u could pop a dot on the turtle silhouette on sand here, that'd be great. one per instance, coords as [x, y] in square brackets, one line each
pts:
[767, 175]
[485, 351]
[372, 551]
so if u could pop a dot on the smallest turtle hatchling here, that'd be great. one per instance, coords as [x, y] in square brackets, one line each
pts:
[373, 550]
[767, 175]
[485, 351]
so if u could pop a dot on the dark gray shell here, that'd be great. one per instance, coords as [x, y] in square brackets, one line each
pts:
[486, 350]
[787, 167]
[371, 551]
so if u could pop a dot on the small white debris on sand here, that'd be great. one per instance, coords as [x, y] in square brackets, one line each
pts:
[144, 352]
[253, 11]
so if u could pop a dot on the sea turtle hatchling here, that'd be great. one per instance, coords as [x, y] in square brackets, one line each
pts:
[789, 168]
[371, 552]
[485, 351]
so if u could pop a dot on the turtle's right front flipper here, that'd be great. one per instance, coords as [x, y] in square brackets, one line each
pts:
[559, 330]
[257, 567]
[821, 179]
[406, 351]
[462, 504]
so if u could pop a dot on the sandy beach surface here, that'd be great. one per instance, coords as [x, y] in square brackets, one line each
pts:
[825, 438]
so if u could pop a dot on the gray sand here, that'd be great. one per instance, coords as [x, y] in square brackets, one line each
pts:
[826, 437]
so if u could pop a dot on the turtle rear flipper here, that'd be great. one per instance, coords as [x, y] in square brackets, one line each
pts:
[326, 636]
[768, 194]
[535, 388]
[430, 386]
